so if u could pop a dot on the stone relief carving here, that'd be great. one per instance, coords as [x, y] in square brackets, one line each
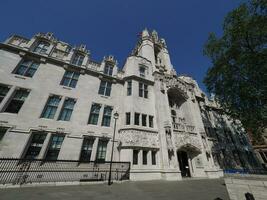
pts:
[182, 139]
[138, 138]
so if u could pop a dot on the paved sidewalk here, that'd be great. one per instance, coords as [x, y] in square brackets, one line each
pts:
[149, 190]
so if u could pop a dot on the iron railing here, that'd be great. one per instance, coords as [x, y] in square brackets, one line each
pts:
[246, 171]
[22, 171]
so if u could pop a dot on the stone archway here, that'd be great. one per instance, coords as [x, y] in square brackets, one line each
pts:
[185, 154]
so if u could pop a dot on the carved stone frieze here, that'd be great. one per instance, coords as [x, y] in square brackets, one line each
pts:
[138, 138]
[186, 139]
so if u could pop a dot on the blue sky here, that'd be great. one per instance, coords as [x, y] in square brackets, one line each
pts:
[111, 26]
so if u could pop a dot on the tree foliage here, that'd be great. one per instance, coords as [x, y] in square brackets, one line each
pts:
[238, 75]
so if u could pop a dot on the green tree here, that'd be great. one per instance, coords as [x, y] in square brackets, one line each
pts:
[238, 75]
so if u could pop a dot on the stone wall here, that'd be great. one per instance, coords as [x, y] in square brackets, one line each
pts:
[238, 185]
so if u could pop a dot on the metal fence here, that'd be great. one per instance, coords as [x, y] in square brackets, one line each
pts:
[246, 171]
[23, 171]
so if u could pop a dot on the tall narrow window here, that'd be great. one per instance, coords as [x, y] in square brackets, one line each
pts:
[128, 118]
[144, 157]
[27, 68]
[3, 131]
[70, 79]
[136, 118]
[105, 88]
[87, 149]
[101, 150]
[144, 120]
[3, 91]
[143, 90]
[51, 107]
[41, 47]
[77, 59]
[94, 114]
[17, 101]
[108, 69]
[142, 71]
[107, 116]
[129, 88]
[36, 145]
[153, 157]
[151, 121]
[135, 157]
[67, 109]
[54, 147]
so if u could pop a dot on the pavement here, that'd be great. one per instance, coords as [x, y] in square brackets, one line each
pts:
[191, 189]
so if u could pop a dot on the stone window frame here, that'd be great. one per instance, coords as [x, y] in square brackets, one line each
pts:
[143, 90]
[128, 118]
[135, 156]
[94, 114]
[129, 87]
[107, 116]
[51, 106]
[87, 149]
[70, 78]
[105, 88]
[108, 69]
[35, 143]
[101, 154]
[30, 67]
[20, 99]
[67, 109]
[41, 47]
[4, 89]
[137, 118]
[144, 120]
[151, 121]
[54, 146]
[77, 59]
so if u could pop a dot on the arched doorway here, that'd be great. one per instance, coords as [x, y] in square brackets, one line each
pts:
[185, 154]
[183, 163]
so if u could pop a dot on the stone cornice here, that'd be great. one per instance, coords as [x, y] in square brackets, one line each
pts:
[57, 62]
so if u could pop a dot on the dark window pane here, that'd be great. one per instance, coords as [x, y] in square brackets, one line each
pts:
[136, 118]
[135, 157]
[51, 107]
[144, 157]
[94, 114]
[54, 147]
[17, 101]
[151, 124]
[129, 88]
[87, 149]
[106, 116]
[101, 150]
[3, 91]
[154, 153]
[144, 120]
[2, 132]
[70, 79]
[67, 109]
[35, 145]
[128, 118]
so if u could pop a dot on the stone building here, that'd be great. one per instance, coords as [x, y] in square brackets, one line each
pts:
[58, 103]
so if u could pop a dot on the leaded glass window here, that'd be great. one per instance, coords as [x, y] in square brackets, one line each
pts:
[51, 107]
[27, 68]
[67, 109]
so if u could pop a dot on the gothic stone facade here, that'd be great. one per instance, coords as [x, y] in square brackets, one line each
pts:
[57, 103]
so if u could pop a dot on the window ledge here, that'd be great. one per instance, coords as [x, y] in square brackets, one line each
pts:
[21, 77]
[106, 97]
[67, 88]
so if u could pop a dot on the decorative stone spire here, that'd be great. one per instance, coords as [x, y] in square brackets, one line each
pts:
[145, 33]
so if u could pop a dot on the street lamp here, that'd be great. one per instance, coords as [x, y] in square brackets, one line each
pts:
[115, 116]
